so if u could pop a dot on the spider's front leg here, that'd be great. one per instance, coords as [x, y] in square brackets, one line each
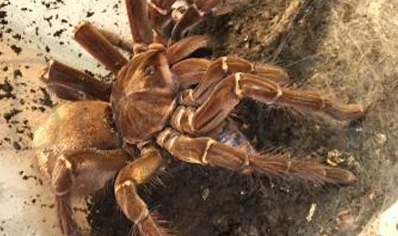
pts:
[71, 84]
[132, 175]
[185, 47]
[223, 67]
[231, 90]
[190, 71]
[196, 11]
[139, 23]
[91, 38]
[173, 18]
[160, 16]
[207, 151]
[192, 16]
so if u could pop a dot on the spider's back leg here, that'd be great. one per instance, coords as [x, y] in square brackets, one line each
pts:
[132, 175]
[207, 151]
[78, 152]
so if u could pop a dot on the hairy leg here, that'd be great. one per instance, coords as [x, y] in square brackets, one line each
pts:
[221, 69]
[81, 173]
[230, 91]
[207, 151]
[132, 175]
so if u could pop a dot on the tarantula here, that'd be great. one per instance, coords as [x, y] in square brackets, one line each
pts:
[161, 100]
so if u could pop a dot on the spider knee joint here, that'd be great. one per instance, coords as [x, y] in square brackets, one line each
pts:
[244, 167]
[166, 139]
[187, 97]
[66, 162]
[224, 64]
[62, 179]
[177, 117]
[137, 217]
[238, 89]
[279, 93]
[209, 144]
[289, 166]
[182, 120]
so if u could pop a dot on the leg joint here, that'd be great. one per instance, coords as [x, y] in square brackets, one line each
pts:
[224, 64]
[182, 119]
[62, 178]
[238, 89]
[158, 9]
[167, 139]
[209, 144]
[126, 183]
[279, 93]
[245, 168]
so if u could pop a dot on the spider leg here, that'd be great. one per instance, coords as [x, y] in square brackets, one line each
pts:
[190, 71]
[139, 22]
[64, 212]
[207, 151]
[185, 47]
[196, 11]
[132, 175]
[71, 84]
[231, 90]
[81, 173]
[223, 67]
[160, 16]
[192, 16]
[88, 36]
[116, 40]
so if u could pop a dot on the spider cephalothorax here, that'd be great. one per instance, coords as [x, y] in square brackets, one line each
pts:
[161, 100]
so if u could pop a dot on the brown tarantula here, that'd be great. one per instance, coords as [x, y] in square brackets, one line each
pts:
[161, 100]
